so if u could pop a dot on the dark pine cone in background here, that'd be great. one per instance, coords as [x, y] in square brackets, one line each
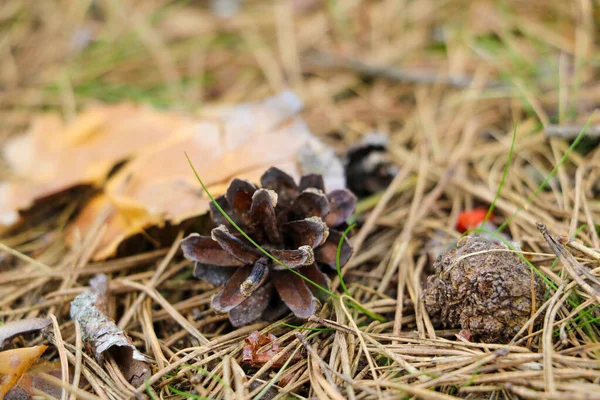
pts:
[295, 223]
[368, 165]
[488, 294]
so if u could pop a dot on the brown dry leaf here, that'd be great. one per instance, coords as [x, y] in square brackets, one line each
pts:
[102, 336]
[53, 157]
[14, 363]
[260, 349]
[159, 187]
[14, 328]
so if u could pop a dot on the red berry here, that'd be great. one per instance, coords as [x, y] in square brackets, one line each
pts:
[471, 219]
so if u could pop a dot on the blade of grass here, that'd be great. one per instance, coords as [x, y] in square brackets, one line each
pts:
[504, 175]
[337, 259]
[150, 391]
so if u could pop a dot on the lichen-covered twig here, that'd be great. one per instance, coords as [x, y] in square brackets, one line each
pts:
[103, 337]
[395, 74]
[570, 131]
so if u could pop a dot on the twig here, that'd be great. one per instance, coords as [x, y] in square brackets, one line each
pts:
[570, 131]
[395, 74]
[570, 263]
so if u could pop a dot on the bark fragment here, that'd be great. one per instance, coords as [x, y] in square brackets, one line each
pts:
[102, 336]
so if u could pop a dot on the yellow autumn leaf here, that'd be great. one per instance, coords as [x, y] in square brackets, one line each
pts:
[53, 157]
[14, 363]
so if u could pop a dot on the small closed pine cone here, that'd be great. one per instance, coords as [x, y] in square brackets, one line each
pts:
[295, 223]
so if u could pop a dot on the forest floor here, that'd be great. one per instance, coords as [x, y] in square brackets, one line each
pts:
[453, 84]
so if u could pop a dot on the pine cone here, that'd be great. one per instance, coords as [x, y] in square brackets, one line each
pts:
[486, 293]
[368, 166]
[295, 223]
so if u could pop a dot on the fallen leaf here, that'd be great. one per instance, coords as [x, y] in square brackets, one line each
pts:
[158, 187]
[14, 363]
[20, 327]
[102, 336]
[52, 157]
[268, 347]
[34, 379]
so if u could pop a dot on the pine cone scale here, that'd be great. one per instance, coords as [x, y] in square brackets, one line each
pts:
[239, 198]
[203, 249]
[213, 274]
[260, 271]
[342, 204]
[216, 215]
[310, 203]
[307, 232]
[263, 213]
[231, 296]
[235, 246]
[281, 183]
[312, 181]
[253, 307]
[293, 258]
[313, 273]
[327, 253]
[294, 293]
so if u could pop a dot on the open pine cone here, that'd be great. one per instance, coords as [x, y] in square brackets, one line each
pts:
[295, 223]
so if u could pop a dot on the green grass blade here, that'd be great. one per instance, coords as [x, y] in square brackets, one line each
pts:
[337, 259]
[504, 175]
[149, 390]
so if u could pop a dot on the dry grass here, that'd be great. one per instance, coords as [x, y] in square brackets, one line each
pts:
[447, 80]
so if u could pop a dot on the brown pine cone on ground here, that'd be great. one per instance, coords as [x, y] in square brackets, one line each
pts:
[483, 288]
[295, 223]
